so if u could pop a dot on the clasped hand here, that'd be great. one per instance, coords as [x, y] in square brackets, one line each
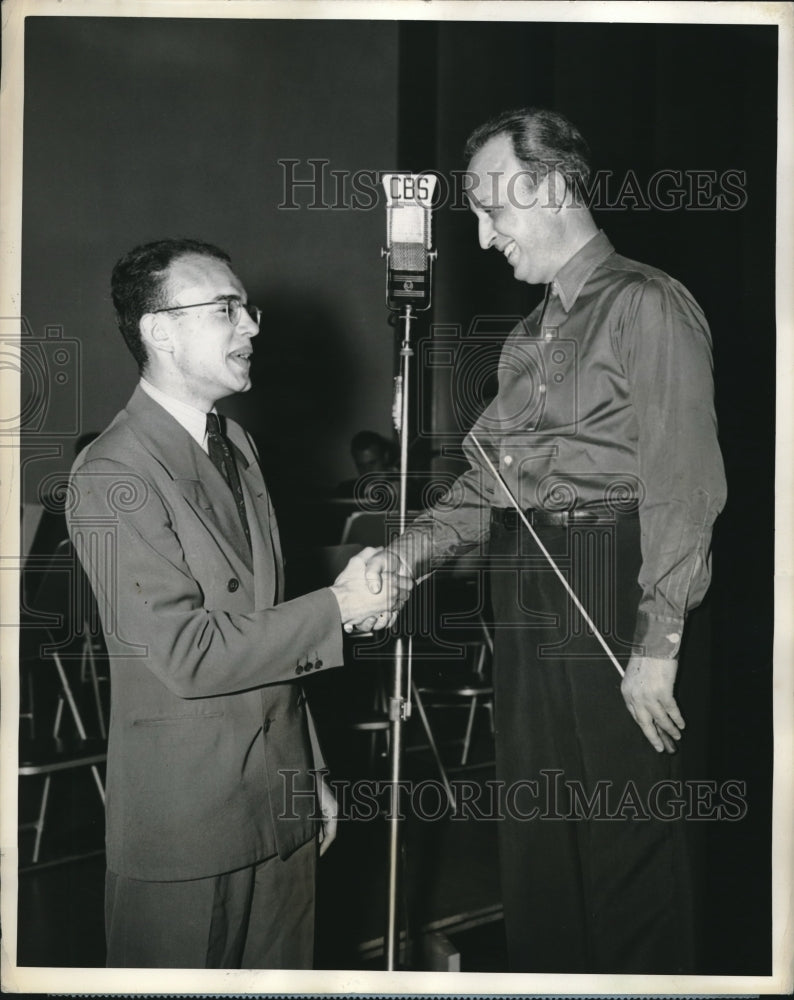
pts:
[371, 589]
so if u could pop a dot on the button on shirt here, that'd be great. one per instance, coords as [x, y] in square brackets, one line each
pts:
[605, 398]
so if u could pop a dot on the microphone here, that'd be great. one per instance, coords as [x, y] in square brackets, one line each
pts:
[408, 240]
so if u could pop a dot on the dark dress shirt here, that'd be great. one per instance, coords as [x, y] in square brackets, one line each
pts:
[605, 399]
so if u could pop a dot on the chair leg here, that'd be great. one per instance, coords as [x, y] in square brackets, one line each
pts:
[486, 633]
[442, 770]
[58, 716]
[98, 781]
[69, 697]
[479, 669]
[39, 824]
[469, 728]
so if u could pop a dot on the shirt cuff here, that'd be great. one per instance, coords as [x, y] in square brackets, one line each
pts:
[413, 549]
[658, 637]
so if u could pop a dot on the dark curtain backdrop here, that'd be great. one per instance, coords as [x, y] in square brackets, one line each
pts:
[136, 128]
[648, 98]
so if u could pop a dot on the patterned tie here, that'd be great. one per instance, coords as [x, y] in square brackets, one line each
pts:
[220, 451]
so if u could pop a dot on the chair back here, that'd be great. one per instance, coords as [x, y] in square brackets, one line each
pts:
[61, 601]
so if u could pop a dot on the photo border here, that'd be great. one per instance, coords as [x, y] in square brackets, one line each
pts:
[341, 982]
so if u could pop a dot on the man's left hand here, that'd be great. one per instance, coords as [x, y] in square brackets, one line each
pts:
[647, 689]
[329, 809]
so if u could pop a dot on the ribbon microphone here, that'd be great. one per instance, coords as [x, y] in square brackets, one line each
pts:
[408, 251]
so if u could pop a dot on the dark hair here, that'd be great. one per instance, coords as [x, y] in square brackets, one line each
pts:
[542, 140]
[138, 284]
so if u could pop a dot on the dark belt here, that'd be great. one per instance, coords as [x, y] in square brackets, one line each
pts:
[508, 517]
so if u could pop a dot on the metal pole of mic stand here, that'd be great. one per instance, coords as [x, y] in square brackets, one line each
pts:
[402, 666]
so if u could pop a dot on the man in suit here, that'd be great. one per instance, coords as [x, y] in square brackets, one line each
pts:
[211, 797]
[603, 430]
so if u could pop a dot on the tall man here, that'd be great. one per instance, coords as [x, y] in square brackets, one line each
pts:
[211, 836]
[603, 428]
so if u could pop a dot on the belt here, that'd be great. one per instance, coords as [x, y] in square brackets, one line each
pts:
[508, 517]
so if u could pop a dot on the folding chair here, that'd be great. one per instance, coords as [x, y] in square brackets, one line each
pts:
[47, 637]
[63, 603]
[461, 646]
[46, 756]
[472, 690]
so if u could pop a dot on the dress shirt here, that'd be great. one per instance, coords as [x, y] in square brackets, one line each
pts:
[194, 421]
[605, 398]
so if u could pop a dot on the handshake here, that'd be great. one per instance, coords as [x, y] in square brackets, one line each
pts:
[371, 589]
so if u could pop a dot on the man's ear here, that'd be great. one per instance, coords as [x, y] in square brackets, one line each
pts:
[557, 190]
[155, 334]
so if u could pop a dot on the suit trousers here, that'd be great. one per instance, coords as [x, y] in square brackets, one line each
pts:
[259, 917]
[596, 876]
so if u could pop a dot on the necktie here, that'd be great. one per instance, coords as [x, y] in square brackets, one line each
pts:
[220, 451]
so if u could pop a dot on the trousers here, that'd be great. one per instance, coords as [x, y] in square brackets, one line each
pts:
[596, 876]
[259, 917]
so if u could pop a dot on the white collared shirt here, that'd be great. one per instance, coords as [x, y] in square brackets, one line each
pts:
[194, 421]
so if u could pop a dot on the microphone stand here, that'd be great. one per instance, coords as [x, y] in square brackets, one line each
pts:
[399, 707]
[410, 279]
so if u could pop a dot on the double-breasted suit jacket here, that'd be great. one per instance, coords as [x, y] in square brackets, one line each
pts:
[210, 744]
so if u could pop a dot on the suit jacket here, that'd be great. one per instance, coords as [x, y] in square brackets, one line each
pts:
[210, 745]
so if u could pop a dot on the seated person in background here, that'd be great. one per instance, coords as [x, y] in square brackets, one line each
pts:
[371, 453]
[377, 462]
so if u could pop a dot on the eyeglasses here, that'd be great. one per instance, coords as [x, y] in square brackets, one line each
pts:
[233, 307]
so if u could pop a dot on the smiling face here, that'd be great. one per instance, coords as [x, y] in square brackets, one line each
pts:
[519, 218]
[197, 355]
